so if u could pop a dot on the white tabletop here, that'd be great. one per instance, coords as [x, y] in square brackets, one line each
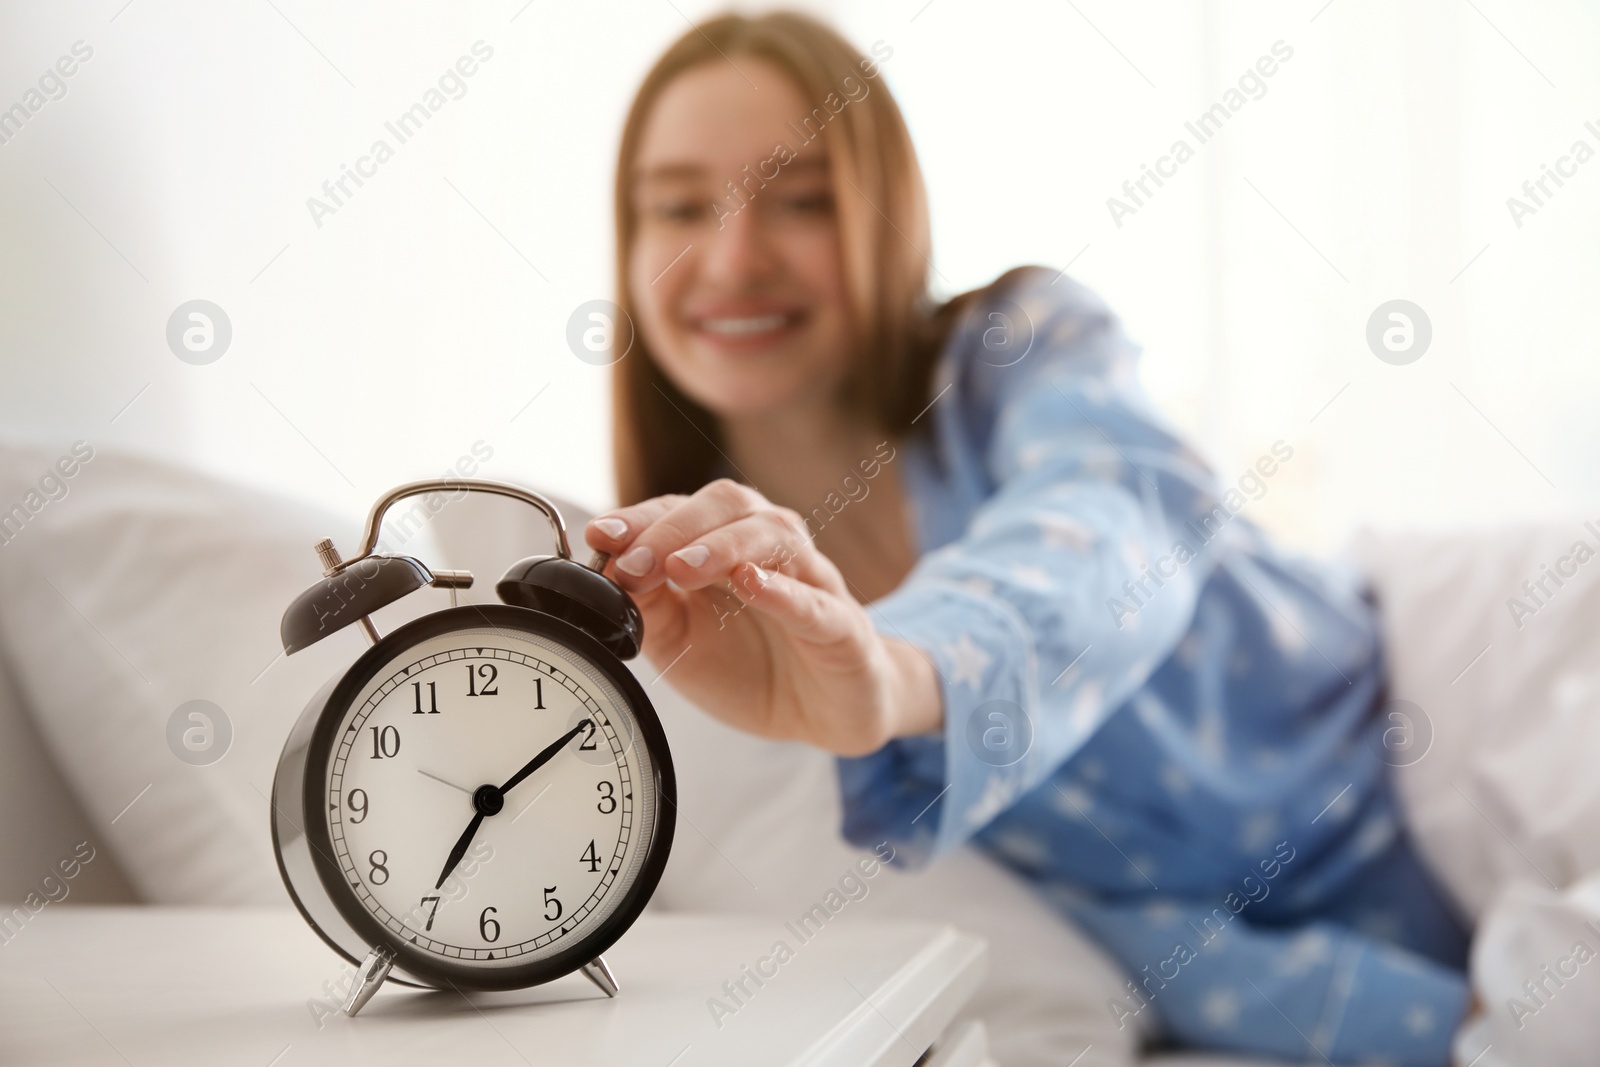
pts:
[205, 986]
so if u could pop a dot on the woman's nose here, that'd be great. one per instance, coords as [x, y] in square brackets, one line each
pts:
[739, 249]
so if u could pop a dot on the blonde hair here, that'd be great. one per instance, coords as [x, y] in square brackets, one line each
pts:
[883, 219]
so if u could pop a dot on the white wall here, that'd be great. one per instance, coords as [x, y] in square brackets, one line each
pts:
[384, 344]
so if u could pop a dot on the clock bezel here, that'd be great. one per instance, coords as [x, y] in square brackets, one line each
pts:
[429, 967]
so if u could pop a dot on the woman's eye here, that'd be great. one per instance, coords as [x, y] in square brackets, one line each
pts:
[680, 211]
[811, 204]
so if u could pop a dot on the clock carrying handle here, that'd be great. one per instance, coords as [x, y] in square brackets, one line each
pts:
[352, 589]
[369, 539]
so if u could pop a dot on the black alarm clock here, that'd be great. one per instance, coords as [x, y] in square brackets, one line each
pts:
[485, 798]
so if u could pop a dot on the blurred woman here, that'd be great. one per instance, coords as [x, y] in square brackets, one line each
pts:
[957, 546]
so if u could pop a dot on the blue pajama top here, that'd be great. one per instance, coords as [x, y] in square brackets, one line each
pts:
[1169, 725]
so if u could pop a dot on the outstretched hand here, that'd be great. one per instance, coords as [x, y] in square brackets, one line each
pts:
[761, 629]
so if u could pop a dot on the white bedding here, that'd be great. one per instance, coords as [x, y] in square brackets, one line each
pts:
[1506, 802]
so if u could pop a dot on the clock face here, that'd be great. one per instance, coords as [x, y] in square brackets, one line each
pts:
[491, 797]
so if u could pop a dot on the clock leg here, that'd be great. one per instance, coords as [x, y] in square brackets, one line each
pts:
[369, 976]
[598, 973]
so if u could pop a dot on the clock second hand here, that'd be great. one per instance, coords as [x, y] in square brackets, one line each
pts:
[436, 778]
[489, 799]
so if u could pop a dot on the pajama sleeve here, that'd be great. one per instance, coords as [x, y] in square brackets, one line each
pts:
[1076, 577]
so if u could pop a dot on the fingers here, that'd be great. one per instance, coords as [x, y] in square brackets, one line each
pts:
[762, 539]
[615, 530]
[806, 612]
[657, 528]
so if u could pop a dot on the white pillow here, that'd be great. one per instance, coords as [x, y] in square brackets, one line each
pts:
[42, 824]
[1528, 936]
[142, 588]
[145, 586]
[1508, 789]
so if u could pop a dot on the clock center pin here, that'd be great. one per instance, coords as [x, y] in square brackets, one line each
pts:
[488, 800]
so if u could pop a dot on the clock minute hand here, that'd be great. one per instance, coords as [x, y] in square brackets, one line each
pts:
[544, 757]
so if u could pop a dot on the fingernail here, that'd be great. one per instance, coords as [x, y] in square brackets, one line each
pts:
[761, 575]
[637, 561]
[610, 527]
[694, 555]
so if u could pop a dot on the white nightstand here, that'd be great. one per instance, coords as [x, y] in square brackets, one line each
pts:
[201, 986]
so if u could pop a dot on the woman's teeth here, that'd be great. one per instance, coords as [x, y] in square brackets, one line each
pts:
[736, 327]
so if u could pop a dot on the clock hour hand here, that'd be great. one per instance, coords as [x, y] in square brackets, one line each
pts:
[544, 757]
[460, 850]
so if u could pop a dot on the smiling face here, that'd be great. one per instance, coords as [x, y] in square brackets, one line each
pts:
[740, 296]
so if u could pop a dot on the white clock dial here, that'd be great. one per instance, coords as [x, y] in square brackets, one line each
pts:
[544, 867]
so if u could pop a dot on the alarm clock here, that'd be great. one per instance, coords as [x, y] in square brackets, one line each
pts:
[485, 798]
